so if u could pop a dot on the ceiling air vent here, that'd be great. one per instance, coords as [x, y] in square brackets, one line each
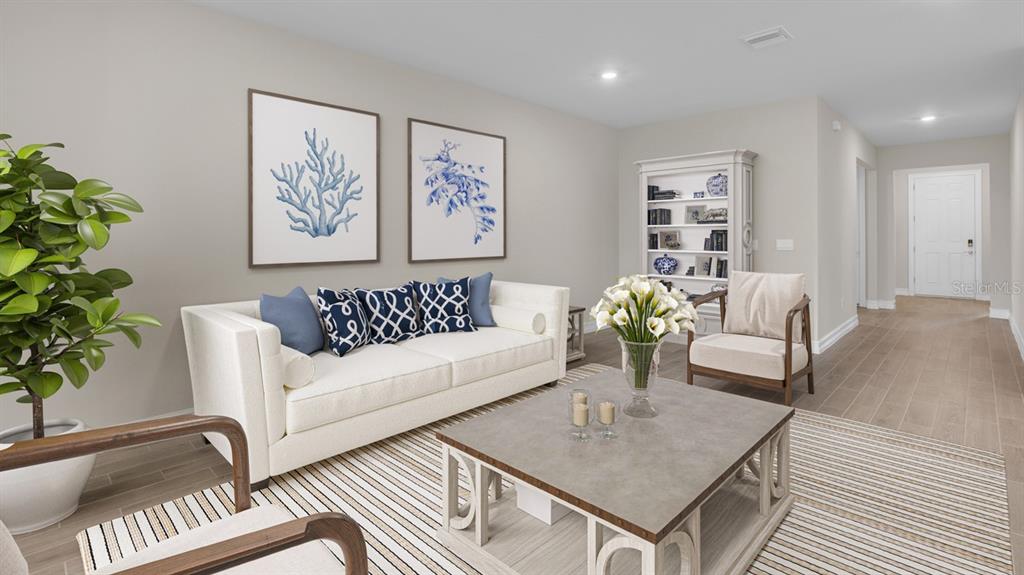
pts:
[769, 37]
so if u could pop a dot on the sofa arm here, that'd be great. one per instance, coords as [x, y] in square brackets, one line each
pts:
[552, 301]
[237, 371]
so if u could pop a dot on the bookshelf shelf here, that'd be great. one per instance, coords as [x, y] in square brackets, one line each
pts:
[725, 225]
[693, 252]
[688, 200]
[718, 248]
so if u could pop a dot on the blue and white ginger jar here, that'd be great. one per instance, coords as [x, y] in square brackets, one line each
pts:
[718, 185]
[666, 264]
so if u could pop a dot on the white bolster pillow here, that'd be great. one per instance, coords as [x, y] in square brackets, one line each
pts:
[298, 367]
[518, 319]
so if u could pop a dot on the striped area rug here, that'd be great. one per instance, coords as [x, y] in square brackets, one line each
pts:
[868, 501]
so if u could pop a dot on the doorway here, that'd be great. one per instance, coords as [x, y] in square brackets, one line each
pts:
[944, 232]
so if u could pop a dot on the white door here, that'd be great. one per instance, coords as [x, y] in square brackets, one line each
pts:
[944, 235]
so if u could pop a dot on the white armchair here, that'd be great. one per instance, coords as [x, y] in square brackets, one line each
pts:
[759, 344]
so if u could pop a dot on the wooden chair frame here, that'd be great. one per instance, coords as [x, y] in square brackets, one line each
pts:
[335, 527]
[785, 384]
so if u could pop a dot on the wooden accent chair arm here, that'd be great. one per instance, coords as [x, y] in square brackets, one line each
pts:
[45, 449]
[710, 297]
[335, 527]
[803, 304]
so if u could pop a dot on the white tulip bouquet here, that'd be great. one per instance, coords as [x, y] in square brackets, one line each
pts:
[642, 312]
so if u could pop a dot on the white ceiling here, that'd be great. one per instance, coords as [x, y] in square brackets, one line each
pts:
[881, 64]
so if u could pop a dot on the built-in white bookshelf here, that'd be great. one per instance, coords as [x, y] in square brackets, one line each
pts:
[697, 181]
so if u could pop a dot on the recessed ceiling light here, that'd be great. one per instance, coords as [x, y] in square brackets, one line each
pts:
[609, 75]
[928, 118]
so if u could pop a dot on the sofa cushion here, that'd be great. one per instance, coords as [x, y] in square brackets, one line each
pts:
[366, 379]
[484, 353]
[344, 320]
[444, 307]
[392, 313]
[746, 354]
[479, 299]
[295, 318]
[312, 558]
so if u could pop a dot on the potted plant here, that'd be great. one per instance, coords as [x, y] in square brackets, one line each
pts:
[642, 311]
[55, 314]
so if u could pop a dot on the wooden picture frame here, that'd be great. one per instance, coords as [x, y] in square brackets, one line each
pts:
[456, 227]
[314, 175]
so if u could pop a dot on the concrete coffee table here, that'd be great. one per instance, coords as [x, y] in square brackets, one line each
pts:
[674, 480]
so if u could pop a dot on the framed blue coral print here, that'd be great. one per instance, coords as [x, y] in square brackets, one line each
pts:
[457, 193]
[313, 182]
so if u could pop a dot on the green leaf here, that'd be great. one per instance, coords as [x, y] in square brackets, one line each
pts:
[107, 307]
[114, 217]
[140, 319]
[56, 180]
[30, 149]
[95, 357]
[20, 305]
[95, 234]
[13, 260]
[11, 386]
[54, 199]
[83, 304]
[6, 219]
[122, 201]
[54, 259]
[55, 216]
[91, 187]
[80, 208]
[115, 277]
[8, 293]
[24, 399]
[32, 282]
[45, 384]
[132, 334]
[77, 373]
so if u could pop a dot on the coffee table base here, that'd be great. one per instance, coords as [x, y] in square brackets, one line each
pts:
[721, 537]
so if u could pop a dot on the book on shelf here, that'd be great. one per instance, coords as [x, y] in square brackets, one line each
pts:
[664, 195]
[652, 241]
[659, 217]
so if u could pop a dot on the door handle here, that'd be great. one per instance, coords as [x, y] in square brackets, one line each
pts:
[970, 246]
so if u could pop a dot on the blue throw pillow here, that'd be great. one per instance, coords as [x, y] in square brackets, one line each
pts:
[296, 318]
[444, 307]
[479, 299]
[391, 313]
[344, 320]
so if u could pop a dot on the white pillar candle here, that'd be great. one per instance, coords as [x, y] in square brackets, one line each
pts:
[580, 414]
[606, 413]
[579, 397]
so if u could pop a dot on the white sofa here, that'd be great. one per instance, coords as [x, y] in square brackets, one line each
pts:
[239, 369]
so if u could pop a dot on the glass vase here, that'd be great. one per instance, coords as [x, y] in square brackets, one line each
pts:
[640, 367]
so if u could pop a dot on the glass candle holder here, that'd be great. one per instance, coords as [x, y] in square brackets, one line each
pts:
[580, 413]
[607, 411]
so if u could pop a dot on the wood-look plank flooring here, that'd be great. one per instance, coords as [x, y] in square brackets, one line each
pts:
[933, 367]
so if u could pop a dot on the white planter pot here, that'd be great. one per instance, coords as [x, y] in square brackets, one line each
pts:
[34, 497]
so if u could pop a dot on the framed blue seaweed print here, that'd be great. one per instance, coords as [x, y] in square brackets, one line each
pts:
[313, 182]
[457, 194]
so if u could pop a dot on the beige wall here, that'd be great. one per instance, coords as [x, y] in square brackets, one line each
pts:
[894, 165]
[839, 153]
[1017, 222]
[152, 97]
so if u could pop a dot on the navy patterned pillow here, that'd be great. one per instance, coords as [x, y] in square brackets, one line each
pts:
[392, 313]
[444, 307]
[344, 320]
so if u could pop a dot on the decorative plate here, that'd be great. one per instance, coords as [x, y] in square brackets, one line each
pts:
[666, 264]
[718, 185]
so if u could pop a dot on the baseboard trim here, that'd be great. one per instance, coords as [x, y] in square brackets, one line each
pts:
[998, 313]
[1018, 335]
[902, 291]
[820, 345]
[881, 304]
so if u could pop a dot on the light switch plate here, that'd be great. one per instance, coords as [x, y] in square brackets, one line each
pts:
[783, 245]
